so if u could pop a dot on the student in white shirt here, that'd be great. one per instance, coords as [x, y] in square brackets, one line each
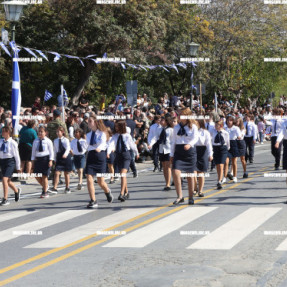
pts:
[165, 135]
[122, 143]
[9, 161]
[78, 149]
[97, 159]
[63, 158]
[42, 159]
[183, 154]
[220, 142]
[250, 137]
[233, 152]
[242, 145]
[151, 136]
[204, 154]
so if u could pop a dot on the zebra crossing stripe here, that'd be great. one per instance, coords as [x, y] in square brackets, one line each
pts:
[154, 231]
[231, 233]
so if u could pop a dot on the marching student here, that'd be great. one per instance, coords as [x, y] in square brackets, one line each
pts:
[151, 135]
[79, 147]
[164, 139]
[241, 145]
[111, 157]
[63, 159]
[210, 125]
[283, 136]
[42, 158]
[204, 154]
[9, 161]
[276, 124]
[122, 143]
[97, 159]
[221, 144]
[250, 137]
[233, 153]
[183, 153]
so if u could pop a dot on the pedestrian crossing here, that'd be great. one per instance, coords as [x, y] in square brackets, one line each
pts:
[226, 233]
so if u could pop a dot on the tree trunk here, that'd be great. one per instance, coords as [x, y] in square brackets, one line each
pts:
[84, 78]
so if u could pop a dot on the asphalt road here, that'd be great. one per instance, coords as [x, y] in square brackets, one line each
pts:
[236, 236]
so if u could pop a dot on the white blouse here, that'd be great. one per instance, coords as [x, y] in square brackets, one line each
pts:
[128, 141]
[74, 146]
[234, 132]
[225, 135]
[204, 139]
[12, 151]
[189, 139]
[66, 145]
[100, 140]
[47, 148]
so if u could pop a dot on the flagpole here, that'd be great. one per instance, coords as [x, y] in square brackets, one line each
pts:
[63, 110]
[215, 101]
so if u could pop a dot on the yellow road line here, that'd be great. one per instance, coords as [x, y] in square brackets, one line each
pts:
[77, 251]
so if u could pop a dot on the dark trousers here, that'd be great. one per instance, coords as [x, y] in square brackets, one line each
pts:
[132, 164]
[155, 154]
[249, 154]
[276, 152]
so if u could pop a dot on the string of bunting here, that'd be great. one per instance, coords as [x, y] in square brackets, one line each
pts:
[123, 64]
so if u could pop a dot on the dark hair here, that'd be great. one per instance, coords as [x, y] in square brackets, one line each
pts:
[221, 123]
[42, 128]
[201, 124]
[231, 118]
[120, 127]
[82, 134]
[169, 121]
[31, 123]
[7, 129]
[62, 130]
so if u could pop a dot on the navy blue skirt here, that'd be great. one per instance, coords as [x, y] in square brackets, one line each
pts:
[112, 158]
[202, 158]
[122, 161]
[184, 160]
[79, 161]
[96, 162]
[64, 164]
[219, 154]
[42, 165]
[164, 157]
[8, 166]
[241, 145]
[233, 151]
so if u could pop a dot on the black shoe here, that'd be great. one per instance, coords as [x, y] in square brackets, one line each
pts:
[155, 169]
[44, 194]
[67, 190]
[178, 201]
[211, 170]
[121, 198]
[17, 195]
[200, 194]
[285, 202]
[245, 175]
[136, 175]
[53, 190]
[92, 204]
[251, 161]
[276, 167]
[191, 201]
[4, 202]
[230, 176]
[109, 196]
[127, 195]
[160, 170]
[167, 188]
[219, 186]
[172, 184]
[112, 181]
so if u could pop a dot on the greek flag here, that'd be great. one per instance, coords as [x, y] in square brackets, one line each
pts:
[48, 96]
[16, 90]
[65, 97]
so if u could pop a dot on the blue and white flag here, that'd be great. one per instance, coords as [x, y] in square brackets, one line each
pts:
[65, 97]
[124, 67]
[57, 56]
[31, 52]
[42, 55]
[5, 49]
[215, 101]
[48, 96]
[16, 90]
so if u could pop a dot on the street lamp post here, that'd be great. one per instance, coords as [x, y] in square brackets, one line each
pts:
[193, 49]
[13, 12]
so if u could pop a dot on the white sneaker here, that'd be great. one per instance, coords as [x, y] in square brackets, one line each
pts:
[262, 143]
[234, 179]
[224, 180]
